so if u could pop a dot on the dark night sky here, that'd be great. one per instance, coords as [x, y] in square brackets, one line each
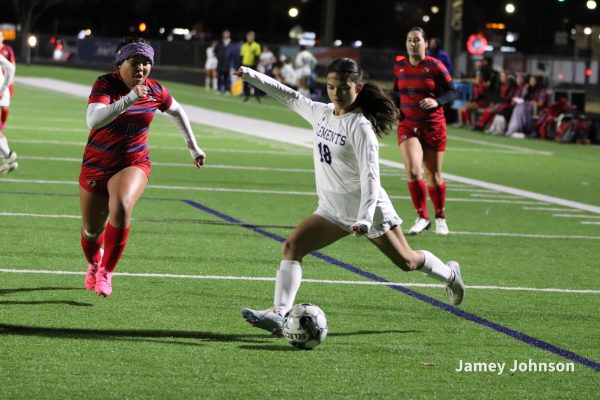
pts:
[378, 23]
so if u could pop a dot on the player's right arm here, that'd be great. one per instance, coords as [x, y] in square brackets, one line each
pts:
[308, 109]
[101, 113]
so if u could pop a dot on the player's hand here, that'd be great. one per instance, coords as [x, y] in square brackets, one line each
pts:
[199, 160]
[359, 229]
[140, 90]
[239, 72]
[1, 94]
[428, 103]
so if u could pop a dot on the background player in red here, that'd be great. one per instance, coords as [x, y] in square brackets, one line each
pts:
[422, 86]
[116, 162]
[10, 157]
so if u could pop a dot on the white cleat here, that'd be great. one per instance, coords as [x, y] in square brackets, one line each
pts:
[441, 228]
[10, 164]
[420, 225]
[455, 288]
[268, 320]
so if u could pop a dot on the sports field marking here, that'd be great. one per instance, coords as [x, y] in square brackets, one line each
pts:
[590, 222]
[489, 151]
[318, 281]
[303, 137]
[500, 146]
[540, 344]
[182, 220]
[257, 191]
[549, 209]
[576, 216]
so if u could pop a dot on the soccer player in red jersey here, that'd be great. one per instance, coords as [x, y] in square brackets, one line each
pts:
[10, 157]
[423, 86]
[116, 162]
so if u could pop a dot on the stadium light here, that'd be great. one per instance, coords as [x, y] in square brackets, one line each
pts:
[426, 18]
[510, 8]
[591, 4]
[587, 30]
[142, 27]
[293, 12]
[32, 40]
[435, 9]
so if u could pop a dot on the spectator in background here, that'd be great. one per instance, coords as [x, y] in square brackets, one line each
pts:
[284, 72]
[249, 55]
[210, 68]
[436, 51]
[266, 61]
[530, 98]
[224, 54]
[305, 63]
[479, 100]
[508, 88]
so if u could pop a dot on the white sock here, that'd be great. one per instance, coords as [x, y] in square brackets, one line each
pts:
[207, 83]
[436, 268]
[4, 147]
[214, 85]
[287, 284]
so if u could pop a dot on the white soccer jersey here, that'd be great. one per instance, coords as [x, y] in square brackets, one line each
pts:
[7, 71]
[346, 156]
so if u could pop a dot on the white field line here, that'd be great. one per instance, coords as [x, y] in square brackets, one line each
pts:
[304, 138]
[258, 191]
[582, 216]
[549, 209]
[318, 281]
[590, 222]
[499, 145]
[496, 234]
[495, 195]
[492, 151]
[182, 148]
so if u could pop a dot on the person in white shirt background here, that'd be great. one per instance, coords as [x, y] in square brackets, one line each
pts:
[351, 199]
[305, 63]
[210, 68]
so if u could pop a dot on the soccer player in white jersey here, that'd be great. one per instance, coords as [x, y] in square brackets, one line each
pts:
[351, 199]
[7, 72]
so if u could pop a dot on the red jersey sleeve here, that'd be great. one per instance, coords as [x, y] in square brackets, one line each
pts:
[100, 91]
[166, 99]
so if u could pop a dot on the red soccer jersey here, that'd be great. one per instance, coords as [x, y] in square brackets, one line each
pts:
[8, 53]
[123, 142]
[417, 82]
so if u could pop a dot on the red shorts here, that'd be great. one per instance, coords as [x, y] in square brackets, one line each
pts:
[99, 184]
[431, 137]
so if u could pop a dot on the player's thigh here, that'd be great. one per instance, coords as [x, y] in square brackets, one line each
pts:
[412, 156]
[312, 234]
[94, 210]
[126, 187]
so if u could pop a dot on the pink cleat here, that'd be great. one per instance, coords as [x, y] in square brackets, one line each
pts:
[90, 276]
[103, 282]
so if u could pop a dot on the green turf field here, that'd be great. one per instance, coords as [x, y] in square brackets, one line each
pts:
[172, 328]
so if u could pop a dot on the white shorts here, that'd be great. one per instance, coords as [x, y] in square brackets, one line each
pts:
[5, 100]
[211, 63]
[383, 221]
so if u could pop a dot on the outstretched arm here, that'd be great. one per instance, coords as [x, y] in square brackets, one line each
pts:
[183, 123]
[100, 114]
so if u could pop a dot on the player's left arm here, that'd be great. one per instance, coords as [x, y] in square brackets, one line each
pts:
[182, 122]
[9, 69]
[366, 148]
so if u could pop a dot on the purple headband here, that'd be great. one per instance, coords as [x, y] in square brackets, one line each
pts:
[135, 49]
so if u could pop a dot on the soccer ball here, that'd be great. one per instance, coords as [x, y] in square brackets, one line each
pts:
[305, 326]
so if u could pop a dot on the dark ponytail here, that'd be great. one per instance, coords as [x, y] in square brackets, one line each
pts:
[376, 105]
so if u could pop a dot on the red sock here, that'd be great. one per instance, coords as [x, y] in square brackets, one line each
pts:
[418, 194]
[115, 241]
[91, 248]
[3, 116]
[438, 198]
[465, 117]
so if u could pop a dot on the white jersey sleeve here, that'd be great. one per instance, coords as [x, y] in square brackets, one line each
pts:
[9, 68]
[308, 109]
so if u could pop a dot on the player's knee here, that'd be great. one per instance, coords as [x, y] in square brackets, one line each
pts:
[90, 233]
[290, 249]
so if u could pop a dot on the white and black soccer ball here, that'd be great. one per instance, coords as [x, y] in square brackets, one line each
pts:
[305, 326]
